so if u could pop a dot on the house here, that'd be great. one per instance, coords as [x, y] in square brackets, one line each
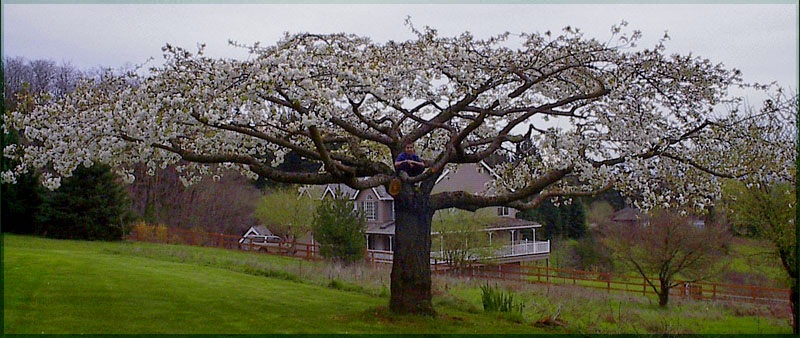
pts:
[257, 230]
[378, 207]
[631, 216]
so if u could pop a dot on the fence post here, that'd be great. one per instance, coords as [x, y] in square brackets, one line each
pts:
[547, 274]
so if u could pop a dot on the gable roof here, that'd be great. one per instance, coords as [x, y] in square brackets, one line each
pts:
[386, 228]
[508, 223]
[257, 230]
[337, 189]
[468, 177]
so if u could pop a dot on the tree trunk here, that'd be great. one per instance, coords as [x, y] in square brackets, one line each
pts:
[793, 302]
[663, 294]
[789, 261]
[411, 271]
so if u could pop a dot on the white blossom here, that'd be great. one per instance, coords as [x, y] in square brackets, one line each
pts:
[604, 113]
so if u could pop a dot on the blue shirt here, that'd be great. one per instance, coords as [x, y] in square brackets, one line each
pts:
[411, 170]
[405, 156]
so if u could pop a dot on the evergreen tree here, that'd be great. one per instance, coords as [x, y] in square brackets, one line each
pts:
[575, 219]
[90, 205]
[563, 221]
[340, 231]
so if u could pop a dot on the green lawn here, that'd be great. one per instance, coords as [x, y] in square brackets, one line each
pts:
[53, 286]
[758, 260]
[81, 287]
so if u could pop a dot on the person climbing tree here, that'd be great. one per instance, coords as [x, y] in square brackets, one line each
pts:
[409, 162]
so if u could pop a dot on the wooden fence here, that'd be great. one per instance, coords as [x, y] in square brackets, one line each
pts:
[511, 272]
[160, 234]
[623, 283]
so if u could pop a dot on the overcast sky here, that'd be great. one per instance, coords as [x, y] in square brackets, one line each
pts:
[759, 39]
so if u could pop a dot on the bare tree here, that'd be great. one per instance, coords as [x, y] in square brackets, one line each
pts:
[226, 206]
[665, 246]
[41, 78]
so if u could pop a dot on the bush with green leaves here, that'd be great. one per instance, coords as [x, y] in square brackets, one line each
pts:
[339, 230]
[495, 300]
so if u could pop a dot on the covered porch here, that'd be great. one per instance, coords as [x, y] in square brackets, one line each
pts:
[510, 240]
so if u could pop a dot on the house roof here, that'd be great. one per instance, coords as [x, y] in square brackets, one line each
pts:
[338, 189]
[258, 230]
[468, 177]
[626, 215]
[382, 194]
[508, 223]
[499, 224]
[383, 229]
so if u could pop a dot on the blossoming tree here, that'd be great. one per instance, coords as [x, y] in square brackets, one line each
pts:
[600, 115]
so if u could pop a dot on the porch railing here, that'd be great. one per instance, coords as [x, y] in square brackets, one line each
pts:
[521, 248]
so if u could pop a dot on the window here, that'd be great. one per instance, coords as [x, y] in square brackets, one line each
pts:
[502, 211]
[370, 209]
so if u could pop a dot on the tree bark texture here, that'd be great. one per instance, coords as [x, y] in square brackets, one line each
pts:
[411, 272]
[663, 294]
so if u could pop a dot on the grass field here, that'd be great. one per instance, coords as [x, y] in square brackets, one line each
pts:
[53, 286]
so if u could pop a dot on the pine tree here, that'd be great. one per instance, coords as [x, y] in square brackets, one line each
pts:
[90, 205]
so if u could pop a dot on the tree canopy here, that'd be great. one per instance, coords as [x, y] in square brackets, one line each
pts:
[633, 114]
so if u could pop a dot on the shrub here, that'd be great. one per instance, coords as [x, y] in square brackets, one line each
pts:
[161, 234]
[144, 232]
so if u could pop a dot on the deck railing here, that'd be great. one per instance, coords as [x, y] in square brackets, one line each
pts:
[521, 248]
